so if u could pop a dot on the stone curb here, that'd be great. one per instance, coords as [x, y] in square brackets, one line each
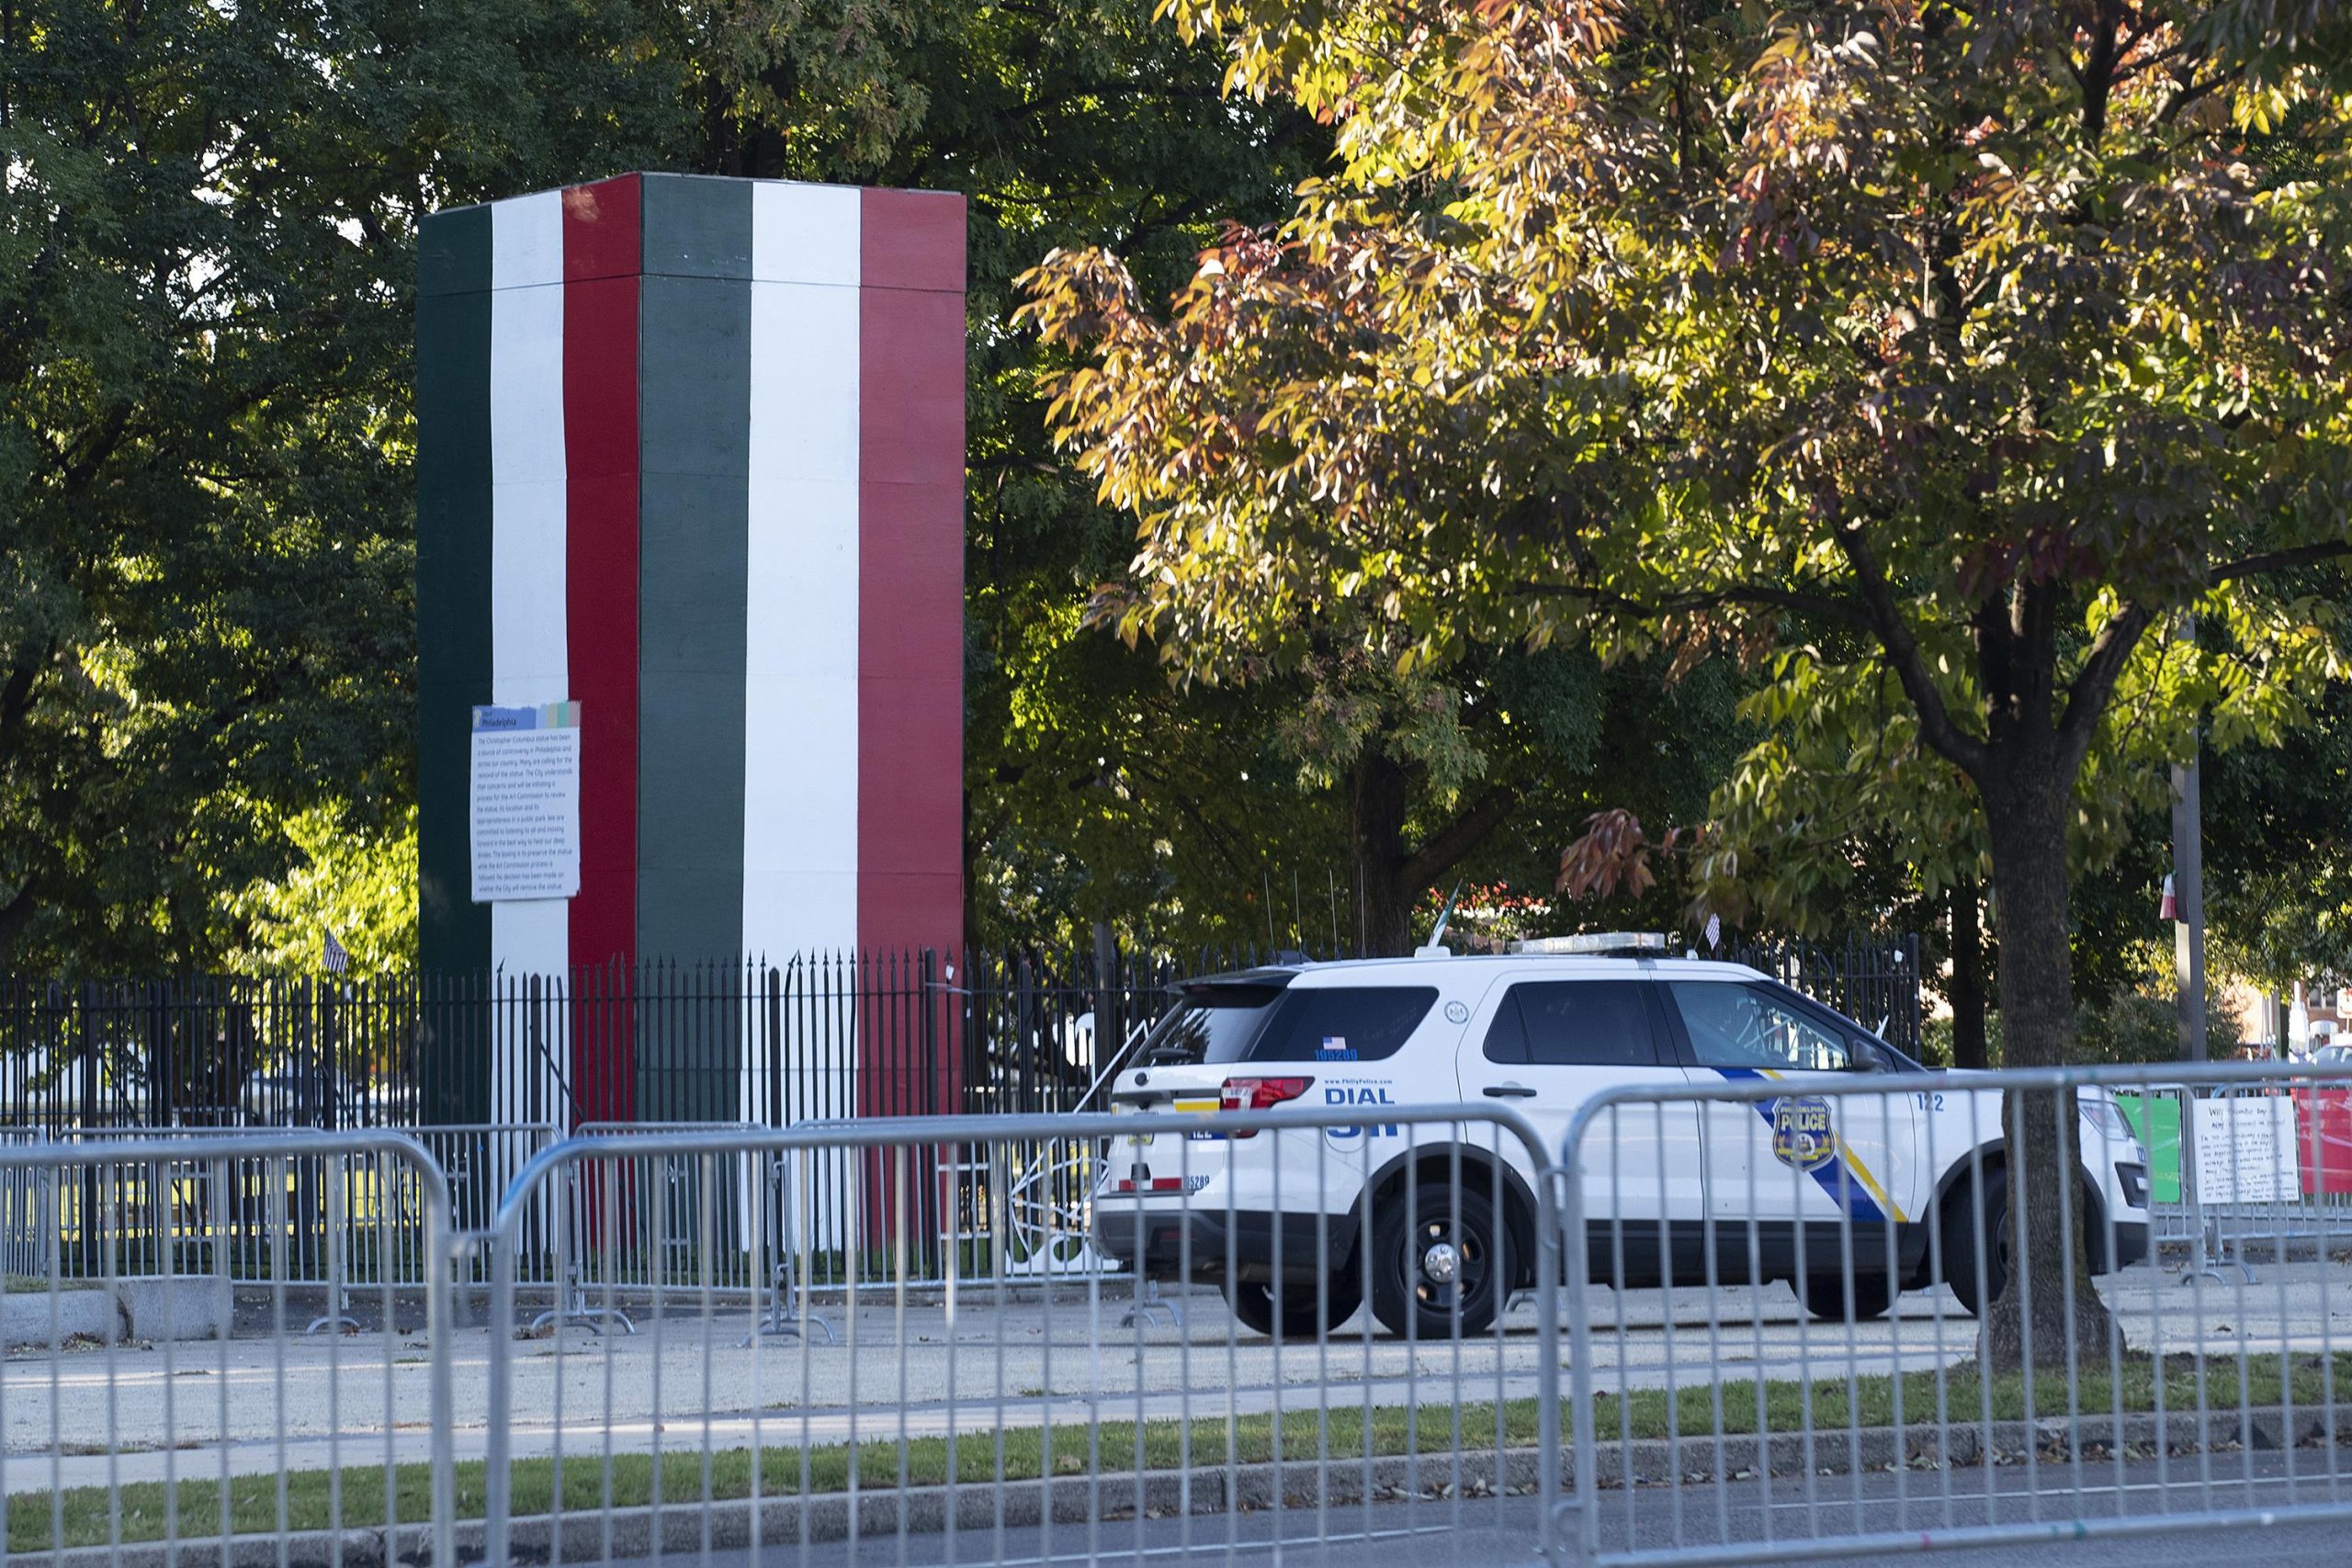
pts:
[139, 1307]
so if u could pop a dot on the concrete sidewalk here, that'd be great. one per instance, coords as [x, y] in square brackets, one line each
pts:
[134, 1412]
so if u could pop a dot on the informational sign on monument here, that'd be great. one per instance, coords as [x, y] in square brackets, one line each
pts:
[526, 802]
[2247, 1150]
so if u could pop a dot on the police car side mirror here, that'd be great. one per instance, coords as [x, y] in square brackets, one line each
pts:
[1866, 1057]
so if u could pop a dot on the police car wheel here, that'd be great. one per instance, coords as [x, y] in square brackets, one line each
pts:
[1294, 1309]
[1961, 1266]
[1440, 1263]
[1825, 1296]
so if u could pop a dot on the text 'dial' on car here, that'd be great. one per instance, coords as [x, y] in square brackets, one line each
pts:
[1849, 1196]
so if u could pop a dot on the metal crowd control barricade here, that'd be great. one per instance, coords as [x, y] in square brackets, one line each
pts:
[479, 1160]
[376, 1234]
[25, 1212]
[619, 1245]
[177, 1409]
[2218, 1231]
[330, 1229]
[1012, 1408]
[248, 1226]
[1721, 1420]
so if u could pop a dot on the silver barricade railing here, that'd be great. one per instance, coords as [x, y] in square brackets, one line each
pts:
[1027, 1193]
[479, 1160]
[1797, 1328]
[335, 1235]
[248, 1229]
[165, 1397]
[476, 1161]
[24, 1209]
[1030, 1410]
[598, 1284]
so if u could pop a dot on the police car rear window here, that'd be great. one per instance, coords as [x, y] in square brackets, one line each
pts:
[1213, 1024]
[1343, 1023]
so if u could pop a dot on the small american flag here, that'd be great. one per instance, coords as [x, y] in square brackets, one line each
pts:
[337, 960]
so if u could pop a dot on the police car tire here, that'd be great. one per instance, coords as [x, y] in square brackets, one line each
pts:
[1959, 1245]
[1470, 1216]
[1825, 1296]
[1300, 1307]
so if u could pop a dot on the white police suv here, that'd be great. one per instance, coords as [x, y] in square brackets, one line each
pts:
[1438, 1221]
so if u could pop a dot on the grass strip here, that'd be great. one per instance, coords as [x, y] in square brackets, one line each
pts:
[1204, 1443]
[38, 1284]
[1689, 1412]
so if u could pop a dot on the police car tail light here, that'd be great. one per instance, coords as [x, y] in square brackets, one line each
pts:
[1258, 1094]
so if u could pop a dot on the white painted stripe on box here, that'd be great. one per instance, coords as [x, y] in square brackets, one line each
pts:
[803, 233]
[529, 657]
[800, 675]
[526, 241]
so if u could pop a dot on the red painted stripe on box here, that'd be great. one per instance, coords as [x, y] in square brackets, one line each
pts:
[910, 598]
[603, 229]
[601, 246]
[911, 239]
[911, 585]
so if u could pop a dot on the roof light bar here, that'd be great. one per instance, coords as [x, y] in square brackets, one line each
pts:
[1590, 943]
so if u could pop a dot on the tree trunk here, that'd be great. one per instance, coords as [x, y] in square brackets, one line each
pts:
[1967, 978]
[1378, 797]
[2049, 1304]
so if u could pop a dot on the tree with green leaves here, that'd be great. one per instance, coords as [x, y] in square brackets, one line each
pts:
[206, 611]
[2279, 842]
[1099, 792]
[1094, 792]
[1996, 341]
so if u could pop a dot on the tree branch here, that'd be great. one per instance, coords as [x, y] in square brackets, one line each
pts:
[2277, 560]
[2190, 90]
[1757, 594]
[1936, 726]
[2094, 683]
[1446, 847]
[17, 699]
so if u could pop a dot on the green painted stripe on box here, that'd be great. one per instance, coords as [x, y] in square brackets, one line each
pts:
[453, 254]
[453, 587]
[697, 226]
[693, 555]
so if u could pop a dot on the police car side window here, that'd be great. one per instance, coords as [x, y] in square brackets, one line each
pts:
[1507, 1036]
[1742, 1026]
[1353, 1023]
[1585, 1023]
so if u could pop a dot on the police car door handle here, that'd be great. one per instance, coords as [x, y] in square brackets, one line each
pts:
[1508, 1091]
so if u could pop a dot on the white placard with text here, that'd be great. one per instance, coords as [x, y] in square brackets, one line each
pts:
[526, 803]
[2246, 1151]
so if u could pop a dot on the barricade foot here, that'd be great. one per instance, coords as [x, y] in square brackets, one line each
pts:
[1148, 1302]
[589, 1318]
[794, 1327]
[784, 1317]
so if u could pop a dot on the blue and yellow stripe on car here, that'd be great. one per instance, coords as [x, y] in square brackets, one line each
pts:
[1844, 1176]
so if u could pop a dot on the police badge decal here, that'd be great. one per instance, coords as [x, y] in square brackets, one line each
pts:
[1801, 1131]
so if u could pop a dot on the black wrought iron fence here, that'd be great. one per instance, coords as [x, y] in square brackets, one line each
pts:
[1872, 980]
[819, 1037]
